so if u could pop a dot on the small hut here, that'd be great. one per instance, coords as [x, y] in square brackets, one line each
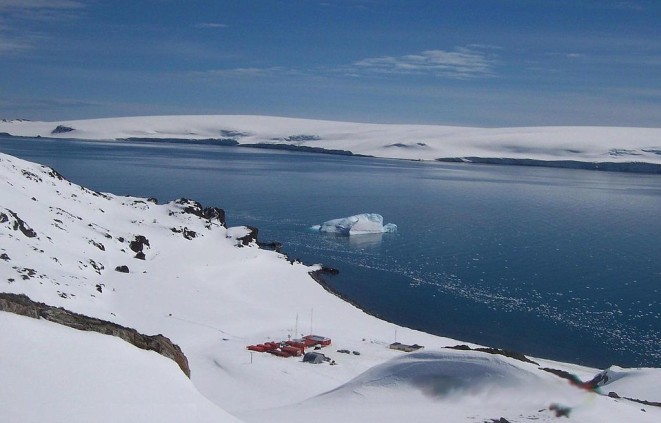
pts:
[406, 348]
[314, 358]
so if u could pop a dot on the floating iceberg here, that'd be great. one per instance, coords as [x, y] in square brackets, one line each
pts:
[366, 223]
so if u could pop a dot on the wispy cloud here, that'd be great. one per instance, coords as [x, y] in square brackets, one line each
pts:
[40, 9]
[460, 63]
[247, 72]
[16, 15]
[211, 25]
[11, 46]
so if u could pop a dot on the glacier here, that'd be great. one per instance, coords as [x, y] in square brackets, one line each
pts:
[359, 224]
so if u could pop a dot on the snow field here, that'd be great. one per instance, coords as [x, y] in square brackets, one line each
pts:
[213, 299]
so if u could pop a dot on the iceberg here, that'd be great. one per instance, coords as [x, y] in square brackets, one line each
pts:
[359, 224]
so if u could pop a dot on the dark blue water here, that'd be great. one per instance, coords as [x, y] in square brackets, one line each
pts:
[563, 264]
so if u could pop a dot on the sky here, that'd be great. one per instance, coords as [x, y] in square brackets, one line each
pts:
[487, 63]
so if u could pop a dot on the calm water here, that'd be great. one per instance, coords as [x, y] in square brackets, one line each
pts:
[564, 264]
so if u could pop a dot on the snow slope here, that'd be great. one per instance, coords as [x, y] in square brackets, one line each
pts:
[52, 373]
[415, 142]
[60, 244]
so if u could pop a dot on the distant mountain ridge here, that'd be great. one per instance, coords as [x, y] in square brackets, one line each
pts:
[600, 148]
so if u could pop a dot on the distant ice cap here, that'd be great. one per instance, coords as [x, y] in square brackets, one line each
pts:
[365, 223]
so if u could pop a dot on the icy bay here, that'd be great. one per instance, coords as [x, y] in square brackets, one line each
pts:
[554, 263]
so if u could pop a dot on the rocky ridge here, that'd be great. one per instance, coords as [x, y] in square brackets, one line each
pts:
[24, 306]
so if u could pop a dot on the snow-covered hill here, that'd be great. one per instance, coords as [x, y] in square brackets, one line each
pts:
[414, 142]
[193, 280]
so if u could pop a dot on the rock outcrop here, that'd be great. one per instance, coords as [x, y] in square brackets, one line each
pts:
[196, 209]
[23, 305]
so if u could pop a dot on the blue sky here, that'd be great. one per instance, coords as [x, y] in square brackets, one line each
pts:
[459, 62]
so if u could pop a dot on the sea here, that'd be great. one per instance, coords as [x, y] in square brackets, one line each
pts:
[554, 263]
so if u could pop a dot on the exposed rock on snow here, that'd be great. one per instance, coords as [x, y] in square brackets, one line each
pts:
[21, 304]
[631, 383]
[360, 224]
[497, 351]
[16, 223]
[138, 245]
[61, 129]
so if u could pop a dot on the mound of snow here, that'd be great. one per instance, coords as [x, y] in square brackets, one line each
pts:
[446, 374]
[54, 373]
[455, 386]
[359, 224]
[642, 384]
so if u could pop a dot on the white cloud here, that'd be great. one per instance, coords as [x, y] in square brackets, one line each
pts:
[39, 4]
[247, 72]
[211, 25]
[15, 15]
[460, 63]
[40, 10]
[10, 46]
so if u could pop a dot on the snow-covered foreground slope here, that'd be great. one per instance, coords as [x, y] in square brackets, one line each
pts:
[415, 142]
[52, 373]
[61, 244]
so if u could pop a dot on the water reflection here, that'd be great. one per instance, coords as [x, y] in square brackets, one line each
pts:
[365, 241]
[361, 242]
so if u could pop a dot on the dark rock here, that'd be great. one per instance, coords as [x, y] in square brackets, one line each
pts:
[230, 142]
[302, 148]
[55, 174]
[98, 267]
[251, 236]
[61, 129]
[633, 167]
[139, 255]
[138, 243]
[196, 209]
[216, 213]
[272, 246]
[613, 394]
[598, 380]
[22, 305]
[19, 224]
[152, 200]
[31, 176]
[99, 287]
[225, 133]
[4, 257]
[190, 206]
[572, 378]
[496, 351]
[560, 410]
[189, 234]
[122, 269]
[303, 137]
[98, 245]
[26, 273]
